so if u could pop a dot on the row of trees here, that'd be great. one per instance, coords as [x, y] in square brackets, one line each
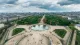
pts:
[29, 20]
[4, 30]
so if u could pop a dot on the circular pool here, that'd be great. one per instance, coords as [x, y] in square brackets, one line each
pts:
[39, 27]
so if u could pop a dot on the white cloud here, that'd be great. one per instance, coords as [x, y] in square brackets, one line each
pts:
[37, 6]
[21, 9]
[22, 1]
[72, 7]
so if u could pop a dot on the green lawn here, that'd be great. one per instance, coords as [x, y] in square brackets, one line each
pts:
[78, 38]
[17, 30]
[72, 27]
[60, 32]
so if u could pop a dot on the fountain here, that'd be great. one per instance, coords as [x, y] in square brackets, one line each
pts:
[39, 27]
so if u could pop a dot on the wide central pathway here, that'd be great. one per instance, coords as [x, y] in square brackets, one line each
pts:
[42, 20]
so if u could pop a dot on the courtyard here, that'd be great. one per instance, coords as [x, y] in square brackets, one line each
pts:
[37, 34]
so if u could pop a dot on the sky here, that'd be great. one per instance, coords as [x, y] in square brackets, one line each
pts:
[39, 5]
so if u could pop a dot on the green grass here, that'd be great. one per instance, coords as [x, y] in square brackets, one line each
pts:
[72, 27]
[78, 38]
[17, 30]
[60, 32]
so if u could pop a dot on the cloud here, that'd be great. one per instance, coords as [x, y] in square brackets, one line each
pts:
[39, 5]
[11, 1]
[45, 4]
[72, 7]
[68, 2]
[21, 9]
[8, 1]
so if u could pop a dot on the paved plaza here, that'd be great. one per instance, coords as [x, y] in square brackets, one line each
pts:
[32, 37]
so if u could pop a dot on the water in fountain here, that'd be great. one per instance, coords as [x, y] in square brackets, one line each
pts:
[39, 27]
